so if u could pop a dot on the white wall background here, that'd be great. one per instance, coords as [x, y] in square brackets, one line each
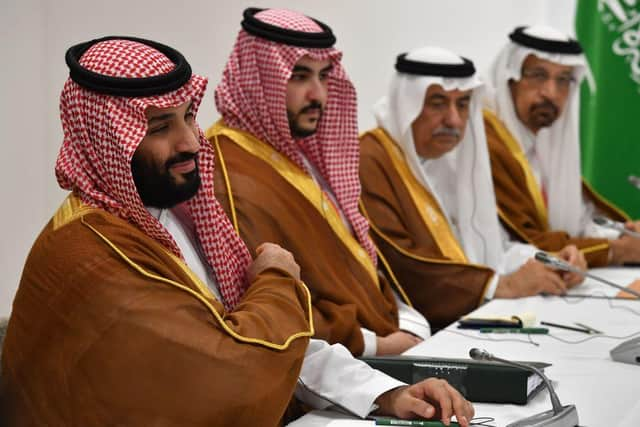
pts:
[36, 33]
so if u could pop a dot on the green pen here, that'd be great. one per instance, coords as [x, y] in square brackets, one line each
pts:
[425, 423]
[539, 331]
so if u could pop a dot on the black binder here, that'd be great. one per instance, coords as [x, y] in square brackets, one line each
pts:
[477, 381]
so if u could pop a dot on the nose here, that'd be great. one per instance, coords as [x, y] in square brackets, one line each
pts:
[316, 90]
[453, 118]
[549, 88]
[187, 139]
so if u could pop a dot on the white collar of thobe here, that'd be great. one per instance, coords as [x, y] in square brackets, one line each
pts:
[181, 228]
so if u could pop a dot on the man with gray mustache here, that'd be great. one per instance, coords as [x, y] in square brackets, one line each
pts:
[532, 124]
[428, 194]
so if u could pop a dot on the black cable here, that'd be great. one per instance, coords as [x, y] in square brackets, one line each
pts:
[490, 338]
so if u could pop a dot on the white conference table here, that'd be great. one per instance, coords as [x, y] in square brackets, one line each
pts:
[606, 393]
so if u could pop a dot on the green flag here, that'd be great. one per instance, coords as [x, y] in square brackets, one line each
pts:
[609, 31]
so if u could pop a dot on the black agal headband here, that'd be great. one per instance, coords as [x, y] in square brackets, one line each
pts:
[571, 46]
[259, 28]
[123, 86]
[404, 65]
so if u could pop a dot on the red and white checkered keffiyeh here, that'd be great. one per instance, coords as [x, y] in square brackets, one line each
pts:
[101, 134]
[252, 97]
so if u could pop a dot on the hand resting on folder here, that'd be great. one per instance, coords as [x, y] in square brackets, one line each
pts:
[430, 398]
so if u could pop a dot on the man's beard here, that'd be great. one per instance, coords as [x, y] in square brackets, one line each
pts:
[543, 114]
[158, 188]
[298, 131]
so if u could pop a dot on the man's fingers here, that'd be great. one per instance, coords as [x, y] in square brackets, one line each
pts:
[572, 279]
[461, 407]
[554, 284]
[633, 226]
[421, 408]
[266, 246]
[271, 255]
[441, 395]
[570, 254]
[413, 338]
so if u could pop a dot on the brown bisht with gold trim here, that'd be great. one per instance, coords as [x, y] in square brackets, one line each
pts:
[424, 255]
[269, 198]
[521, 206]
[109, 328]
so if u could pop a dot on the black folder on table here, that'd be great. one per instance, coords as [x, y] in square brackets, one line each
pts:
[478, 381]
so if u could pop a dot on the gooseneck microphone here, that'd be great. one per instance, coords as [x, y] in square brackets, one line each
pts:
[615, 225]
[559, 264]
[559, 416]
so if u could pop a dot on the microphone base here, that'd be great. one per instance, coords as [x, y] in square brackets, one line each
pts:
[567, 417]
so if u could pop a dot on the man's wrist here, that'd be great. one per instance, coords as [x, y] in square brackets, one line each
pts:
[503, 288]
[386, 399]
[613, 256]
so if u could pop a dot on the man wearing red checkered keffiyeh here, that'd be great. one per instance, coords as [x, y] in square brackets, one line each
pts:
[120, 316]
[139, 304]
[288, 172]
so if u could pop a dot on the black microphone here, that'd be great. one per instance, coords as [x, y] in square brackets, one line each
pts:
[559, 416]
[615, 225]
[559, 264]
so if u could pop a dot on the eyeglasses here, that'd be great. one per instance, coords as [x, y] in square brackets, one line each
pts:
[540, 77]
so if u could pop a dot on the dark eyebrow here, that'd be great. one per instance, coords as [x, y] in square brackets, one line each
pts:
[437, 97]
[160, 118]
[535, 68]
[301, 68]
[327, 68]
[167, 116]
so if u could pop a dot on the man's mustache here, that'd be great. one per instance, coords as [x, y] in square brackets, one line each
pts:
[313, 105]
[546, 104]
[446, 131]
[181, 157]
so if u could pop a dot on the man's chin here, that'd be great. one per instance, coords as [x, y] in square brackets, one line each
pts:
[544, 121]
[544, 117]
[303, 131]
[186, 178]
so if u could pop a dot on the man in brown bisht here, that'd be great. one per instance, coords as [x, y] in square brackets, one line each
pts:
[532, 125]
[139, 304]
[288, 154]
[428, 194]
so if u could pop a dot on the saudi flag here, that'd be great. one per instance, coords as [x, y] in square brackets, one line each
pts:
[609, 31]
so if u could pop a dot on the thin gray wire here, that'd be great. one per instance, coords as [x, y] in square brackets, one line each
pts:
[567, 299]
[591, 337]
[482, 421]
